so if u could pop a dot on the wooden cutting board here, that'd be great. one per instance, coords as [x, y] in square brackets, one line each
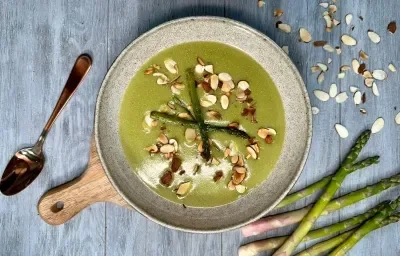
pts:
[60, 204]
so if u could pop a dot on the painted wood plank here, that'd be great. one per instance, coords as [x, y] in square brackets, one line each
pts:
[39, 44]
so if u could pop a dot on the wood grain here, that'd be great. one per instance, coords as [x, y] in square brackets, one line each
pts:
[39, 40]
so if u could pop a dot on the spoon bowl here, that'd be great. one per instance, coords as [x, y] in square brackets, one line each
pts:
[27, 163]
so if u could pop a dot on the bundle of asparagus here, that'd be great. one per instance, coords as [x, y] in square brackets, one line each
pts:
[324, 206]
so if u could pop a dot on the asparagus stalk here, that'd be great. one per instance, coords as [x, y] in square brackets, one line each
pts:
[275, 242]
[322, 183]
[183, 105]
[229, 130]
[288, 218]
[306, 224]
[372, 224]
[206, 154]
[326, 246]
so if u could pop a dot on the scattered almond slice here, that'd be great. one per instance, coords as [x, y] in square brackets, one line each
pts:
[378, 125]
[237, 178]
[239, 169]
[285, 48]
[332, 8]
[260, 3]
[215, 161]
[357, 97]
[368, 82]
[363, 111]
[224, 102]
[234, 159]
[240, 161]
[338, 50]
[199, 69]
[319, 43]
[375, 90]
[227, 152]
[356, 65]
[333, 91]
[167, 178]
[163, 139]
[379, 74]
[240, 189]
[348, 18]
[375, 38]
[362, 68]
[243, 85]
[348, 40]
[175, 90]
[321, 95]
[336, 22]
[328, 21]
[208, 100]
[285, 27]
[278, 12]
[214, 115]
[218, 175]
[363, 55]
[162, 79]
[171, 66]
[324, 5]
[190, 134]
[392, 27]
[152, 149]
[315, 69]
[341, 97]
[341, 75]
[342, 131]
[321, 78]
[200, 61]
[174, 143]
[167, 148]
[264, 132]
[209, 69]
[322, 66]
[329, 60]
[150, 121]
[252, 152]
[231, 186]
[314, 110]
[367, 74]
[224, 77]
[328, 48]
[184, 188]
[344, 68]
[392, 67]
[305, 36]
[397, 118]
[353, 89]
[214, 81]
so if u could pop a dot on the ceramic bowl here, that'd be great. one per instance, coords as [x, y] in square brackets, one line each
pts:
[261, 199]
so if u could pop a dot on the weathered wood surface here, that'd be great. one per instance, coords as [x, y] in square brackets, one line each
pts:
[39, 41]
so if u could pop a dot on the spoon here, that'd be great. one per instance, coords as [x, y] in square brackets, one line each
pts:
[27, 163]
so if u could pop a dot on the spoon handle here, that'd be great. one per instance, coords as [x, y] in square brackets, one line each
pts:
[81, 67]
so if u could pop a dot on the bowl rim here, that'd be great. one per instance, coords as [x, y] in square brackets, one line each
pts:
[287, 60]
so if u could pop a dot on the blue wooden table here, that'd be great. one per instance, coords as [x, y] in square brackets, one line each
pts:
[39, 41]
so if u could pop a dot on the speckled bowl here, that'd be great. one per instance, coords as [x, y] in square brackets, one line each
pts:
[297, 115]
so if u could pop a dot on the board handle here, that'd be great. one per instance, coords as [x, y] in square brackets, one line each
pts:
[61, 203]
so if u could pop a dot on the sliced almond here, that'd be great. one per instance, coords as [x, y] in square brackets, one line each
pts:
[378, 125]
[167, 148]
[200, 61]
[175, 90]
[368, 82]
[214, 115]
[233, 125]
[375, 90]
[324, 5]
[356, 65]
[218, 175]
[227, 152]
[190, 134]
[209, 69]
[341, 97]
[332, 8]
[199, 69]
[224, 77]
[225, 88]
[174, 143]
[348, 40]
[342, 131]
[336, 22]
[163, 139]
[338, 50]
[240, 189]
[167, 178]
[319, 43]
[215, 161]
[348, 18]
[367, 74]
[152, 149]
[162, 79]
[375, 38]
[184, 188]
[328, 21]
[176, 164]
[224, 102]
[353, 89]
[231, 186]
[315, 110]
[171, 66]
[260, 3]
[329, 60]
[321, 78]
[243, 85]
[150, 121]
[363, 111]
[328, 48]
[392, 67]
[278, 12]
[285, 27]
[208, 100]
[364, 98]
[315, 69]
[263, 132]
[200, 147]
[285, 48]
[397, 118]
[344, 68]
[149, 71]
[252, 152]
[333, 91]
[321, 95]
[341, 75]
[363, 55]
[357, 97]
[322, 66]
[379, 74]
[305, 36]
[237, 178]
[214, 81]
[239, 169]
[234, 159]
[392, 27]
[240, 161]
[361, 68]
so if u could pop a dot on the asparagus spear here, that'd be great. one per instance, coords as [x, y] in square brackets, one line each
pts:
[289, 199]
[183, 105]
[288, 218]
[372, 224]
[275, 242]
[206, 154]
[326, 246]
[306, 224]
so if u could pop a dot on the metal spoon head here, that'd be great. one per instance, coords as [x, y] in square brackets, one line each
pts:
[22, 169]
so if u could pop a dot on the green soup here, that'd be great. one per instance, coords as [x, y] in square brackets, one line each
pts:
[144, 95]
